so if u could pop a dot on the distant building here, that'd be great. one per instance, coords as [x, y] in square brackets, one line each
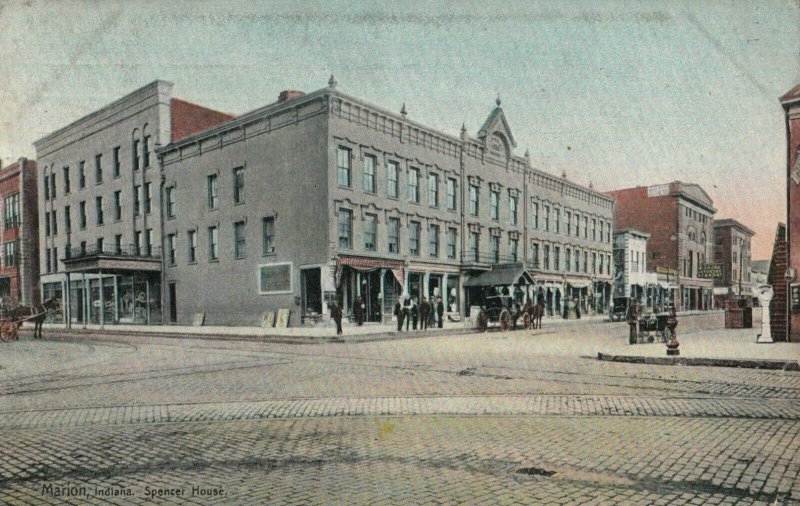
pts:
[631, 277]
[19, 238]
[759, 275]
[786, 263]
[732, 252]
[679, 218]
[101, 200]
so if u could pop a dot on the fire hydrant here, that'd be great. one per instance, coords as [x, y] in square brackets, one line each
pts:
[672, 323]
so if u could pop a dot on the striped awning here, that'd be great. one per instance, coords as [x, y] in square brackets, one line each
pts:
[368, 264]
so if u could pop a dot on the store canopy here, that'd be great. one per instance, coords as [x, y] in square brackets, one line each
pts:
[579, 284]
[367, 264]
[502, 275]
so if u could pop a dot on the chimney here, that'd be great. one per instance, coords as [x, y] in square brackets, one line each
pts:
[287, 95]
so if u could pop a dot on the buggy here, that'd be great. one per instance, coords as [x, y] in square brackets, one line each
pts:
[503, 311]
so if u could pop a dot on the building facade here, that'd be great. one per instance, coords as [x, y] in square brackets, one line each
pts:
[679, 218]
[789, 326]
[732, 252]
[19, 236]
[99, 181]
[324, 195]
[632, 278]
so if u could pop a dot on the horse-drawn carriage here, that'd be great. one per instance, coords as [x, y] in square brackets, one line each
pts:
[502, 311]
[11, 319]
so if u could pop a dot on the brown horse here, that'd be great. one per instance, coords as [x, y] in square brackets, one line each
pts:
[35, 314]
[537, 312]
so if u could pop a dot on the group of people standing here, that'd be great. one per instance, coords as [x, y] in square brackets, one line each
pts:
[425, 314]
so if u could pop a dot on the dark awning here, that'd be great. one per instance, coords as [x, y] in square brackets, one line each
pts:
[502, 275]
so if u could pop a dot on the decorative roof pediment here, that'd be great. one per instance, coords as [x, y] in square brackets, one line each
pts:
[496, 130]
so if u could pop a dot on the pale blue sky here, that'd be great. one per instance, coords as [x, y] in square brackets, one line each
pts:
[619, 93]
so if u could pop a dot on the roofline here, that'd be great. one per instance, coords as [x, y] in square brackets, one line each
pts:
[730, 222]
[672, 193]
[97, 112]
[633, 231]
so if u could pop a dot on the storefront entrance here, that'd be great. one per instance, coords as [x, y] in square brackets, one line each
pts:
[116, 299]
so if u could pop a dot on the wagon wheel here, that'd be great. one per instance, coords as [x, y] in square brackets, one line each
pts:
[505, 320]
[483, 320]
[526, 321]
[8, 331]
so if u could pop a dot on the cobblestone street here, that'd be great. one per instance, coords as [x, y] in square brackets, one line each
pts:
[476, 419]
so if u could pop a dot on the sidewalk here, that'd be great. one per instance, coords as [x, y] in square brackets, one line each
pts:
[721, 348]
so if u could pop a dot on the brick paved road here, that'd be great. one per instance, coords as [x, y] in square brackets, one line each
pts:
[494, 419]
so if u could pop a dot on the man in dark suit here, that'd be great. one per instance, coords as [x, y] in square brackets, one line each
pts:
[399, 312]
[358, 311]
[336, 314]
[424, 310]
[440, 312]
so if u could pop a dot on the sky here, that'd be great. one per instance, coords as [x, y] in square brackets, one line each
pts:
[614, 93]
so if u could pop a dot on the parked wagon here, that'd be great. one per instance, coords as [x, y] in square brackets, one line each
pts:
[652, 326]
[501, 311]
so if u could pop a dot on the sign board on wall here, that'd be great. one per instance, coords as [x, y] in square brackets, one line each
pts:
[198, 319]
[794, 297]
[709, 271]
[666, 270]
[275, 278]
[659, 190]
[267, 319]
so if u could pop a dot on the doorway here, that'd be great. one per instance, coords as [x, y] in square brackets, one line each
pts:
[173, 304]
[311, 287]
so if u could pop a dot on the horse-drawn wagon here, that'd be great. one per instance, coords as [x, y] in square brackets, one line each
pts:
[12, 319]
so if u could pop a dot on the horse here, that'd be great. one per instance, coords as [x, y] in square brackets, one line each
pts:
[35, 314]
[537, 311]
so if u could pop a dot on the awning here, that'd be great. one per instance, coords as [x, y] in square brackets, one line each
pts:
[502, 275]
[579, 284]
[368, 264]
[667, 286]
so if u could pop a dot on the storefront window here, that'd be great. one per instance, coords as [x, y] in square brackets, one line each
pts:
[54, 291]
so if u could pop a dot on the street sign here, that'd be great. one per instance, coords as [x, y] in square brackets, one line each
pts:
[709, 271]
[666, 270]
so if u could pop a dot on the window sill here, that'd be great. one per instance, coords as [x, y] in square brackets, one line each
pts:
[343, 187]
[169, 218]
[213, 260]
[269, 254]
[392, 198]
[240, 258]
[192, 262]
[239, 203]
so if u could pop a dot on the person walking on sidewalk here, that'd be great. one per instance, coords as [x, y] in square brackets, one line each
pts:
[424, 311]
[336, 314]
[399, 312]
[358, 311]
[440, 312]
[633, 321]
[414, 314]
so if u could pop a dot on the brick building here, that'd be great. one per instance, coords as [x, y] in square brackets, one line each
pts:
[101, 205]
[679, 218]
[19, 238]
[732, 252]
[791, 323]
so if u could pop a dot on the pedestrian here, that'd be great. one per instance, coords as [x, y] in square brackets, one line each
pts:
[633, 321]
[358, 311]
[336, 314]
[414, 314]
[424, 311]
[440, 312]
[399, 313]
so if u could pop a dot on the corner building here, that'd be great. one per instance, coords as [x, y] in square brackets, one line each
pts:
[324, 195]
[19, 238]
[100, 204]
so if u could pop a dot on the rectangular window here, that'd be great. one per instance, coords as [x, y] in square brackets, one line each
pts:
[54, 225]
[594, 263]
[392, 170]
[433, 241]
[495, 252]
[238, 185]
[567, 260]
[136, 155]
[513, 249]
[116, 162]
[238, 240]
[137, 200]
[585, 261]
[82, 175]
[213, 192]
[11, 208]
[535, 215]
[602, 230]
[594, 229]
[413, 238]
[100, 244]
[66, 180]
[577, 261]
[608, 233]
[546, 257]
[55, 259]
[512, 209]
[67, 220]
[82, 215]
[474, 246]
[149, 245]
[170, 202]
[52, 185]
[343, 166]
[394, 235]
[494, 205]
[47, 224]
[546, 218]
[568, 230]
[99, 210]
[98, 169]
[146, 151]
[48, 260]
[268, 233]
[585, 227]
[192, 244]
[433, 190]
[601, 264]
[368, 177]
[46, 187]
[556, 220]
[370, 230]
[213, 243]
[535, 255]
[345, 228]
[148, 197]
[171, 244]
[451, 243]
[117, 205]
[451, 194]
[10, 254]
[413, 185]
[118, 244]
[577, 225]
[556, 258]
[473, 200]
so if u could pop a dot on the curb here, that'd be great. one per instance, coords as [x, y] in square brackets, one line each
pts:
[746, 363]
